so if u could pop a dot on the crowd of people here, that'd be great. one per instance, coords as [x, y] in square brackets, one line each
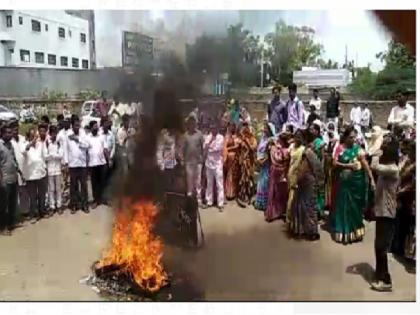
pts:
[309, 171]
[304, 169]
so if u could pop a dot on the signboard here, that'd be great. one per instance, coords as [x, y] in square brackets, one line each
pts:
[136, 46]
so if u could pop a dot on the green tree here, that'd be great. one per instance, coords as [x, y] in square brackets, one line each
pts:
[397, 55]
[290, 48]
[365, 82]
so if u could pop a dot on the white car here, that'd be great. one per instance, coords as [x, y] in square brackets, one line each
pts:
[6, 114]
[89, 113]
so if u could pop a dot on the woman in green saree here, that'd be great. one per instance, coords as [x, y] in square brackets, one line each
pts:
[354, 175]
[318, 146]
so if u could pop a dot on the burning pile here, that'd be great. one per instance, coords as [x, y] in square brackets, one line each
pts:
[135, 253]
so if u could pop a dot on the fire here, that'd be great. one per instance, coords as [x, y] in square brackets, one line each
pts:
[135, 248]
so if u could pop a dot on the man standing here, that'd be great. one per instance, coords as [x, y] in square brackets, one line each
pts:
[116, 112]
[316, 101]
[213, 150]
[19, 143]
[366, 121]
[77, 147]
[35, 173]
[277, 110]
[355, 115]
[97, 163]
[333, 107]
[295, 109]
[193, 157]
[123, 135]
[402, 115]
[109, 138]
[8, 181]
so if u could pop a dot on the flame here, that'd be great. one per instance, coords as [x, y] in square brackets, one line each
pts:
[135, 248]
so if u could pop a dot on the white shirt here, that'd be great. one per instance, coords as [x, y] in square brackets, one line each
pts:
[316, 102]
[110, 142]
[215, 151]
[116, 119]
[97, 146]
[355, 115]
[54, 157]
[62, 139]
[34, 166]
[365, 117]
[77, 151]
[402, 116]
[122, 134]
[18, 147]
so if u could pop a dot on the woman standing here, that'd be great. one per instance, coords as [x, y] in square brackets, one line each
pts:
[247, 166]
[352, 191]
[318, 145]
[296, 151]
[263, 161]
[277, 192]
[231, 162]
[304, 220]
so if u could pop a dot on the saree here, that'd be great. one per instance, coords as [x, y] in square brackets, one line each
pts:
[318, 144]
[295, 159]
[246, 185]
[277, 187]
[351, 200]
[263, 175]
[303, 219]
[231, 166]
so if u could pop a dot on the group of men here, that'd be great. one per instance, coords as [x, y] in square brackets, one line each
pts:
[37, 169]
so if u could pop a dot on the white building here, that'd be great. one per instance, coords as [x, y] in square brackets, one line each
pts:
[43, 39]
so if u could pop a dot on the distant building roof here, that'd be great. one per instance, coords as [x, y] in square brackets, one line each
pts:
[313, 77]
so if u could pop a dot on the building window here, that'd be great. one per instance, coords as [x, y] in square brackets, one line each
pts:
[9, 21]
[52, 59]
[61, 32]
[39, 57]
[36, 26]
[83, 37]
[25, 56]
[75, 62]
[64, 61]
[46, 27]
[20, 20]
[69, 33]
[85, 64]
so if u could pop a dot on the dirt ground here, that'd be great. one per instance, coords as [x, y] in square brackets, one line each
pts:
[244, 258]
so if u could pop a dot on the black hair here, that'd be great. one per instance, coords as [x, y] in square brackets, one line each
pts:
[293, 87]
[74, 118]
[317, 128]
[92, 123]
[391, 150]
[278, 88]
[53, 129]
[45, 119]
[316, 90]
[43, 126]
[104, 119]
[60, 117]
[13, 124]
[4, 127]
[347, 132]
[125, 117]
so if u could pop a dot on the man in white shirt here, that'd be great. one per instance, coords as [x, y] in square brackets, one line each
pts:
[355, 115]
[402, 115]
[365, 118]
[77, 157]
[34, 172]
[116, 112]
[19, 144]
[54, 159]
[109, 138]
[123, 135]
[316, 101]
[213, 151]
[97, 162]
[64, 130]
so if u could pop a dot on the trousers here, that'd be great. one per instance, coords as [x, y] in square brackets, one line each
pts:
[8, 205]
[54, 191]
[193, 172]
[215, 174]
[78, 187]
[383, 237]
[97, 179]
[37, 191]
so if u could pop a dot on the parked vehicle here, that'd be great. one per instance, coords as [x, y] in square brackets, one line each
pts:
[27, 115]
[6, 114]
[89, 112]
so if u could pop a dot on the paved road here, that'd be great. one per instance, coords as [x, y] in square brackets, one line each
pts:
[244, 259]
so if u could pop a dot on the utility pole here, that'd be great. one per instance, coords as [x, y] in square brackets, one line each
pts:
[345, 57]
[262, 69]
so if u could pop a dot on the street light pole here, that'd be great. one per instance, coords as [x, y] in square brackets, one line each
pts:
[262, 69]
